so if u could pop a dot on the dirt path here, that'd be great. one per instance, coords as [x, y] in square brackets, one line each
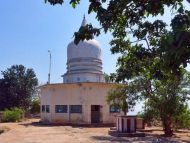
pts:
[30, 132]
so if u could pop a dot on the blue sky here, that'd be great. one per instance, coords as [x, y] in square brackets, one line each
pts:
[30, 28]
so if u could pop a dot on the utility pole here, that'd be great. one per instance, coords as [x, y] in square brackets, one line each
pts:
[49, 66]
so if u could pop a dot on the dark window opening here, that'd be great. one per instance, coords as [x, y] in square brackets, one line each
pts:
[43, 108]
[47, 108]
[114, 109]
[75, 108]
[60, 108]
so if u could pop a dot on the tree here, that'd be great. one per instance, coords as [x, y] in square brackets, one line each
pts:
[107, 78]
[166, 98]
[35, 106]
[148, 114]
[123, 97]
[182, 119]
[151, 50]
[17, 87]
[117, 97]
[110, 78]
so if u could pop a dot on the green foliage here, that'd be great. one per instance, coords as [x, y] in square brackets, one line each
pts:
[17, 87]
[180, 121]
[118, 98]
[165, 99]
[183, 119]
[122, 97]
[86, 32]
[149, 115]
[35, 106]
[107, 78]
[12, 115]
[53, 2]
[72, 2]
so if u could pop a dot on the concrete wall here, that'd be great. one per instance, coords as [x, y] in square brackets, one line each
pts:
[83, 77]
[121, 124]
[140, 123]
[85, 94]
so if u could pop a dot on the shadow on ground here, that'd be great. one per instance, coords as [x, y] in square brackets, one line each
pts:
[43, 124]
[147, 139]
[38, 124]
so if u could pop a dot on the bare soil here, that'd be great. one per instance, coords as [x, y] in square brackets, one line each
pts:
[31, 131]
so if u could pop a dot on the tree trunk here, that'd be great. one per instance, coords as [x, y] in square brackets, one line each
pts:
[167, 125]
[125, 107]
[125, 112]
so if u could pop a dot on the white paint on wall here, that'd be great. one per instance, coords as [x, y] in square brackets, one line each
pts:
[85, 94]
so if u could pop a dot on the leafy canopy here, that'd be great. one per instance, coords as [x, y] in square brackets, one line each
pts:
[17, 87]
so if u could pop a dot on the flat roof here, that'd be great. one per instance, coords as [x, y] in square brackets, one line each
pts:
[76, 83]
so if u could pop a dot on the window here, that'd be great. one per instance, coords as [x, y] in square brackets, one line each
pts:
[114, 109]
[60, 108]
[47, 108]
[43, 108]
[75, 108]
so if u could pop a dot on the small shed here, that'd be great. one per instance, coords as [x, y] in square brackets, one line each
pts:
[126, 123]
[127, 126]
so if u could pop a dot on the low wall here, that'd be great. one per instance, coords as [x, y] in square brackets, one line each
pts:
[140, 123]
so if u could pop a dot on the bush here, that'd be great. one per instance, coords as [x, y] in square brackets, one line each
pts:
[13, 115]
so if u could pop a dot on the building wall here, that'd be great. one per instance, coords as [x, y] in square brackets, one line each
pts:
[83, 77]
[85, 94]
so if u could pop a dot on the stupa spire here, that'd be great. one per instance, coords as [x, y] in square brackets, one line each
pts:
[84, 22]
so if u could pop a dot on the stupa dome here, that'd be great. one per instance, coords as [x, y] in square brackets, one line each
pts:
[90, 48]
[84, 62]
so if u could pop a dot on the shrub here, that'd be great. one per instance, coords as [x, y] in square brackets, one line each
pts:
[13, 115]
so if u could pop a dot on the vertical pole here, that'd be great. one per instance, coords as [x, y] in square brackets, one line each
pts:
[49, 66]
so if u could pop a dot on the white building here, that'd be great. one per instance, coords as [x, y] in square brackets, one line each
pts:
[81, 98]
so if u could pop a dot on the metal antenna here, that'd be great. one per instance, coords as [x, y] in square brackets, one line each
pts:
[49, 66]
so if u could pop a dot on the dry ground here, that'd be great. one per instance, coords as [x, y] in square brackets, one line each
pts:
[31, 131]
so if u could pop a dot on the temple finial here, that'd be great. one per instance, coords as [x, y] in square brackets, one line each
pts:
[84, 22]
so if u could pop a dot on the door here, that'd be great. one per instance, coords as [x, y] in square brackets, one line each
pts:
[128, 125]
[95, 113]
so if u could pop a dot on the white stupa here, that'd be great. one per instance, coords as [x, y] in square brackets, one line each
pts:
[81, 98]
[84, 63]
